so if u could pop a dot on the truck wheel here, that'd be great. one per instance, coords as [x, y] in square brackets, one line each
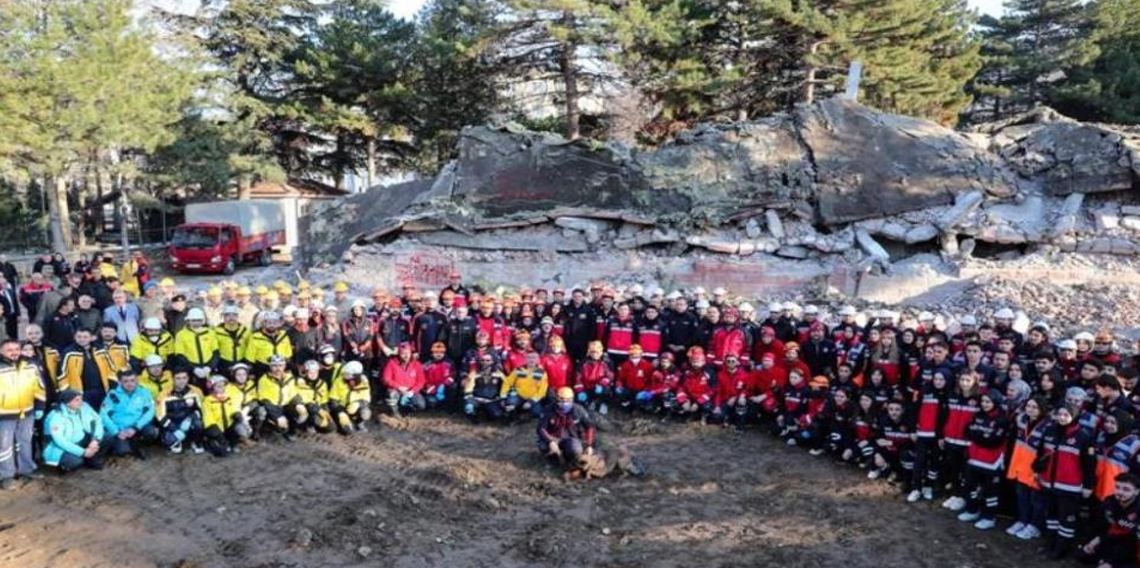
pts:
[231, 265]
[266, 257]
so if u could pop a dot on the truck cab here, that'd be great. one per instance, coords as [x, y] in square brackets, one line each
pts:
[205, 247]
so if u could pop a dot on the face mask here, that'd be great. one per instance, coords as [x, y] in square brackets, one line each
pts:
[565, 407]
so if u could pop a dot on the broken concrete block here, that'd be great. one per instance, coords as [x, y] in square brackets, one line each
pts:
[966, 249]
[1123, 246]
[764, 245]
[1106, 218]
[871, 246]
[714, 244]
[1130, 223]
[1067, 243]
[775, 226]
[1067, 216]
[1101, 245]
[752, 228]
[921, 234]
[963, 206]
[794, 251]
[504, 242]
[582, 224]
[646, 238]
[894, 231]
[949, 244]
[1130, 210]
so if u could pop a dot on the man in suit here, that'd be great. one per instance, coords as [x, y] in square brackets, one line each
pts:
[10, 305]
[124, 315]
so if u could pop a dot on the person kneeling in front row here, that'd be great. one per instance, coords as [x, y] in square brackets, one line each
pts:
[74, 432]
[128, 416]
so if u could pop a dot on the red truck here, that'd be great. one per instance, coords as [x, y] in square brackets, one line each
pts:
[219, 236]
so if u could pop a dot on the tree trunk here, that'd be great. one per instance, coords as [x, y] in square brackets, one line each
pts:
[81, 202]
[809, 85]
[97, 215]
[58, 214]
[244, 187]
[570, 80]
[371, 162]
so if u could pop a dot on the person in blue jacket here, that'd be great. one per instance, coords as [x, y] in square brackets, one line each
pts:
[128, 416]
[74, 434]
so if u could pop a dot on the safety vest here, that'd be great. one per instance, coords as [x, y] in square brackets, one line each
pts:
[529, 384]
[1025, 452]
[278, 392]
[232, 343]
[163, 346]
[1065, 449]
[20, 388]
[262, 346]
[315, 392]
[198, 347]
[347, 395]
[1113, 461]
[71, 370]
[158, 386]
[961, 411]
[244, 394]
[220, 412]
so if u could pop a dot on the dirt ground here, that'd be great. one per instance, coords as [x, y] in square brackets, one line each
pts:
[441, 492]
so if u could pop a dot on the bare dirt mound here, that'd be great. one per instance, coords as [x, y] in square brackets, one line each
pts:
[443, 493]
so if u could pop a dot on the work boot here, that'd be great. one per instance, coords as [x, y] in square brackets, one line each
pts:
[7, 484]
[31, 476]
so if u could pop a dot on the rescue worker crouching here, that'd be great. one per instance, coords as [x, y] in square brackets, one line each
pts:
[524, 390]
[128, 417]
[350, 397]
[179, 414]
[224, 423]
[278, 396]
[242, 387]
[566, 431]
[404, 379]
[481, 390]
[314, 393]
[74, 432]
[439, 378]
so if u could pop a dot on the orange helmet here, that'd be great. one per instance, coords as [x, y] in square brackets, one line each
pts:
[819, 382]
[635, 349]
[438, 347]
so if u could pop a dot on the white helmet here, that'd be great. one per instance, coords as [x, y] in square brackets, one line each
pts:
[925, 316]
[702, 304]
[1083, 336]
[719, 291]
[775, 307]
[699, 291]
[658, 291]
[152, 323]
[636, 290]
[359, 303]
[1067, 344]
[746, 307]
[811, 310]
[302, 313]
[195, 314]
[1044, 326]
[968, 320]
[791, 307]
[847, 311]
[1004, 313]
[231, 310]
[674, 295]
[353, 368]
[289, 311]
[153, 360]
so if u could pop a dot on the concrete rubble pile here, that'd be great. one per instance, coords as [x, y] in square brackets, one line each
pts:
[830, 199]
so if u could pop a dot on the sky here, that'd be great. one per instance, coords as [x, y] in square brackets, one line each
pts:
[408, 8]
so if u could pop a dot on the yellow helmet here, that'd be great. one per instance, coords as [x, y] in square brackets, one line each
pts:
[341, 286]
[166, 282]
[566, 393]
[244, 291]
[317, 292]
[214, 291]
[262, 290]
[229, 284]
[304, 285]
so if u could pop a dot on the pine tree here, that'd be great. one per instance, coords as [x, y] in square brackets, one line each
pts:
[1108, 88]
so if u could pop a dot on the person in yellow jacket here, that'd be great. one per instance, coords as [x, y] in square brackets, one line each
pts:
[349, 398]
[524, 390]
[47, 357]
[86, 370]
[243, 387]
[269, 341]
[277, 394]
[196, 346]
[179, 414]
[314, 393]
[225, 424]
[155, 377]
[232, 337]
[152, 341]
[22, 402]
[117, 350]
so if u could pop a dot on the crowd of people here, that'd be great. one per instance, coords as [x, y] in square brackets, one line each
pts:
[982, 417]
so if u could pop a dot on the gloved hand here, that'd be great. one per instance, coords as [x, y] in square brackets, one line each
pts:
[405, 399]
[598, 390]
[440, 393]
[581, 397]
[39, 415]
[469, 408]
[620, 391]
[644, 396]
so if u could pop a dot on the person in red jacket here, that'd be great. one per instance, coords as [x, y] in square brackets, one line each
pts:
[894, 444]
[404, 381]
[439, 378]
[733, 387]
[486, 320]
[768, 344]
[667, 377]
[769, 380]
[1066, 468]
[928, 443]
[516, 355]
[988, 435]
[558, 365]
[594, 380]
[649, 331]
[834, 428]
[729, 337]
[695, 397]
[634, 377]
[1115, 545]
[619, 334]
[961, 407]
[792, 361]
